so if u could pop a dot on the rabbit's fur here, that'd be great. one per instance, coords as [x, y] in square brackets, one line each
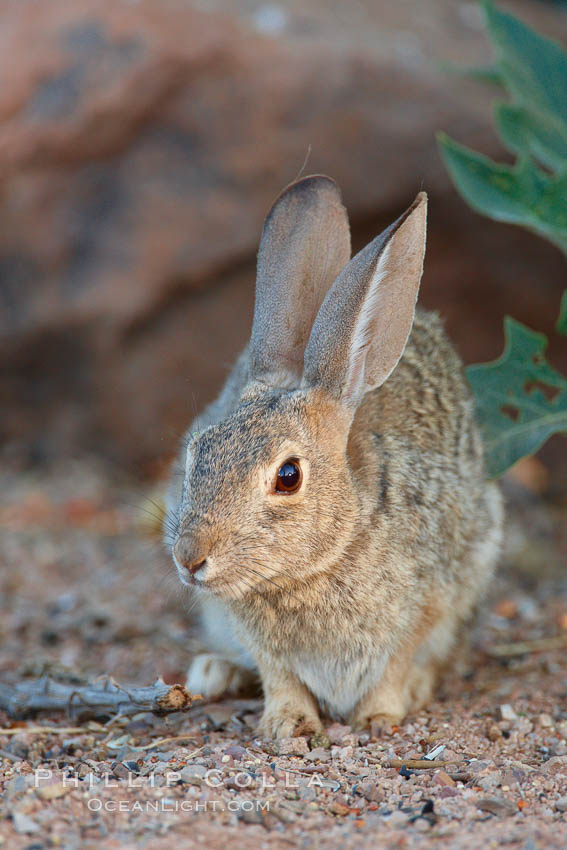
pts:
[348, 596]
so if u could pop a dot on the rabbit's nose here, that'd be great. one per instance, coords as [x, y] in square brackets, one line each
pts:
[196, 565]
[186, 557]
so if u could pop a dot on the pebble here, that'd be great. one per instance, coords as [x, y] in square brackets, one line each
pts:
[236, 752]
[398, 818]
[193, 774]
[23, 824]
[337, 732]
[292, 746]
[339, 808]
[318, 754]
[490, 781]
[497, 806]
[545, 721]
[561, 804]
[507, 712]
[443, 778]
[554, 765]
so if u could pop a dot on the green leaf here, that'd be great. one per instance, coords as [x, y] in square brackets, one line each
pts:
[489, 74]
[535, 133]
[521, 399]
[534, 68]
[520, 194]
[561, 325]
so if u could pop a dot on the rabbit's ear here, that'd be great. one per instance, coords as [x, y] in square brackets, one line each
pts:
[305, 244]
[364, 322]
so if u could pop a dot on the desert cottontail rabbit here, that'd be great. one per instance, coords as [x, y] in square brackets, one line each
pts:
[332, 516]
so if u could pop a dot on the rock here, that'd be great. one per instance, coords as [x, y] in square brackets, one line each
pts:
[141, 145]
[497, 806]
[219, 714]
[370, 791]
[23, 824]
[337, 732]
[398, 819]
[442, 778]
[236, 752]
[545, 721]
[493, 732]
[194, 774]
[555, 765]
[448, 792]
[561, 804]
[292, 746]
[508, 713]
[318, 754]
[339, 809]
[320, 740]
[53, 790]
[490, 781]
[523, 726]
[341, 752]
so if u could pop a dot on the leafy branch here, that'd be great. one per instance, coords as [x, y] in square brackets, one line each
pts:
[521, 399]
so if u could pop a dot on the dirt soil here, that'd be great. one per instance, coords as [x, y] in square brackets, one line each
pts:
[85, 589]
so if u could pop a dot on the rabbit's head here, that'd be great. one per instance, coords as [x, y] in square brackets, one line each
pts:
[269, 496]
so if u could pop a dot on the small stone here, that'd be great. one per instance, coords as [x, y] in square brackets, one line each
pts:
[497, 806]
[545, 721]
[562, 728]
[490, 781]
[337, 732]
[339, 809]
[442, 778]
[53, 791]
[398, 818]
[320, 740]
[252, 816]
[193, 774]
[219, 715]
[307, 794]
[448, 792]
[561, 804]
[493, 733]
[507, 608]
[236, 752]
[370, 791]
[507, 712]
[422, 825]
[23, 824]
[554, 765]
[523, 726]
[318, 754]
[292, 746]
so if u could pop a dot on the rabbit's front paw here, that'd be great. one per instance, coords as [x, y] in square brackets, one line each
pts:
[289, 722]
[212, 676]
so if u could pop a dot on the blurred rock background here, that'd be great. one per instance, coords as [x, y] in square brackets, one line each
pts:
[141, 145]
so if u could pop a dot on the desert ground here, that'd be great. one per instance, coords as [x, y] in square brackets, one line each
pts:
[87, 591]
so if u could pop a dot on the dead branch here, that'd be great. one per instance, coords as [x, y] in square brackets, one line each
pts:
[101, 697]
[525, 647]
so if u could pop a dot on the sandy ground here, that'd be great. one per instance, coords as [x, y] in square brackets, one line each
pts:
[84, 588]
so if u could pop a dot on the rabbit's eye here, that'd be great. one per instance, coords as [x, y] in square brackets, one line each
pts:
[289, 477]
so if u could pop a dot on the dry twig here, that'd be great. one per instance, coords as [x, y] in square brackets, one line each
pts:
[94, 699]
[524, 647]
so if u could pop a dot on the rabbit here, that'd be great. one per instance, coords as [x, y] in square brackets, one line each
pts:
[331, 514]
